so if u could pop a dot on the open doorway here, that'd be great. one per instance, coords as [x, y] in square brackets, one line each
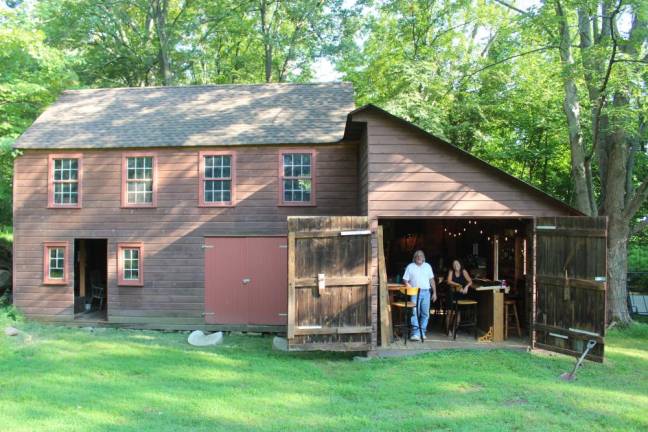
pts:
[90, 279]
[491, 250]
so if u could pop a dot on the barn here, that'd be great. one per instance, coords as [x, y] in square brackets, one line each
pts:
[269, 208]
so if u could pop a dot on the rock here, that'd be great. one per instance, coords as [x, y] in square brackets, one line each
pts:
[198, 338]
[88, 329]
[5, 278]
[280, 344]
[12, 331]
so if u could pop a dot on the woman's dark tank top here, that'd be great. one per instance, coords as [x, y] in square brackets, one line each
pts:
[459, 279]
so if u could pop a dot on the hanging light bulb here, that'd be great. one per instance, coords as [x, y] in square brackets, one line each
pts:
[481, 231]
[464, 229]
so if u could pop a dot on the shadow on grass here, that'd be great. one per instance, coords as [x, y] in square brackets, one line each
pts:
[142, 380]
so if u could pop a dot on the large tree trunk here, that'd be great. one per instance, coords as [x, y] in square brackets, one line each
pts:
[582, 200]
[617, 295]
[160, 11]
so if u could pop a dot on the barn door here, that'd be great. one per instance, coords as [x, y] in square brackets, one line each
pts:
[570, 281]
[329, 293]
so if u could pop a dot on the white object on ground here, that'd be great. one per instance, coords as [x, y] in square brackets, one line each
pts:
[11, 331]
[279, 343]
[198, 338]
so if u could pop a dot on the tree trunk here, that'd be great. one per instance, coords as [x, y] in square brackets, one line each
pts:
[267, 43]
[160, 11]
[617, 295]
[582, 200]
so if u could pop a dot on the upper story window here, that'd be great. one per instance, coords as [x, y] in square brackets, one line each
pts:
[297, 177]
[139, 180]
[55, 257]
[217, 179]
[64, 181]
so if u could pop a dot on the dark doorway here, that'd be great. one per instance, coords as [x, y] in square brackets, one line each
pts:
[90, 279]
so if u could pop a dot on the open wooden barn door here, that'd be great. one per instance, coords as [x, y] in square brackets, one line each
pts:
[570, 283]
[329, 283]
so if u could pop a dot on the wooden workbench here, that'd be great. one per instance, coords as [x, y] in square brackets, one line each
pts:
[490, 308]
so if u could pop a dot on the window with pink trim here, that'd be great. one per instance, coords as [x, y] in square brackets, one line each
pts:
[217, 179]
[55, 261]
[64, 181]
[297, 177]
[130, 264]
[139, 175]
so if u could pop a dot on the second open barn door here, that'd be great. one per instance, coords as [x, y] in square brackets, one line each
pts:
[329, 289]
[570, 279]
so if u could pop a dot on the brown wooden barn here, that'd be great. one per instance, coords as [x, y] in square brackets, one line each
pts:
[257, 207]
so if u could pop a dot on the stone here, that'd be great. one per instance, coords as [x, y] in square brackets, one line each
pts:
[12, 331]
[279, 343]
[198, 338]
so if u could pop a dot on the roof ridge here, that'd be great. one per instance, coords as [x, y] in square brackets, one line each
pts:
[198, 86]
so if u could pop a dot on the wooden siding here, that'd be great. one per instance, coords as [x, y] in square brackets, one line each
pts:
[409, 175]
[172, 233]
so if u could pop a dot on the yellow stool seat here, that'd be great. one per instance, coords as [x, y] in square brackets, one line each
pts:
[403, 304]
[466, 302]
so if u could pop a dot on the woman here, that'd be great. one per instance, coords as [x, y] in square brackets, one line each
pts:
[459, 279]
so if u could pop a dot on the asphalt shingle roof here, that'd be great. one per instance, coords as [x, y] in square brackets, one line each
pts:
[193, 116]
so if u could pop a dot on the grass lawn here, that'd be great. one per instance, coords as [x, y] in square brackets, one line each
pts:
[54, 378]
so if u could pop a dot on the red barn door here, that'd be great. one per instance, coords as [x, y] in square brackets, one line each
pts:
[246, 280]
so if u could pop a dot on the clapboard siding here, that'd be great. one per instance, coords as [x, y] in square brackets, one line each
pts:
[172, 233]
[409, 172]
[412, 175]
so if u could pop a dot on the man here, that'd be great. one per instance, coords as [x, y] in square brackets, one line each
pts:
[419, 274]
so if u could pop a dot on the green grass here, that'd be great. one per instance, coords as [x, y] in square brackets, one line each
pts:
[54, 378]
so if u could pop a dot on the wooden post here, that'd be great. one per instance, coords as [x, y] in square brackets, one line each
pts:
[82, 269]
[386, 330]
[291, 285]
[495, 257]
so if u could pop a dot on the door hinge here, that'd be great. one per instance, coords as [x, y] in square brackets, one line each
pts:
[585, 332]
[283, 246]
[558, 335]
[600, 279]
[546, 227]
[356, 232]
[207, 313]
[207, 246]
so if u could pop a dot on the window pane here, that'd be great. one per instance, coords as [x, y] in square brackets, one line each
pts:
[56, 263]
[218, 190]
[131, 264]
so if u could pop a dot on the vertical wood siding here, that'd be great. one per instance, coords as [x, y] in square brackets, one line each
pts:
[172, 233]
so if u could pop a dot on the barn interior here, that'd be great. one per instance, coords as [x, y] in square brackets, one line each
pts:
[490, 249]
[90, 279]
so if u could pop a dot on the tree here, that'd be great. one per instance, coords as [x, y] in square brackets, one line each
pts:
[511, 82]
[33, 75]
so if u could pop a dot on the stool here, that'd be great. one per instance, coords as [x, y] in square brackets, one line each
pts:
[468, 305]
[508, 316]
[410, 308]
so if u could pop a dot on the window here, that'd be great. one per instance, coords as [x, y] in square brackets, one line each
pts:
[139, 182]
[297, 177]
[64, 181]
[217, 179]
[55, 259]
[130, 264]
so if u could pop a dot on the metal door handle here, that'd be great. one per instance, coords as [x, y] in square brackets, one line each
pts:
[246, 281]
